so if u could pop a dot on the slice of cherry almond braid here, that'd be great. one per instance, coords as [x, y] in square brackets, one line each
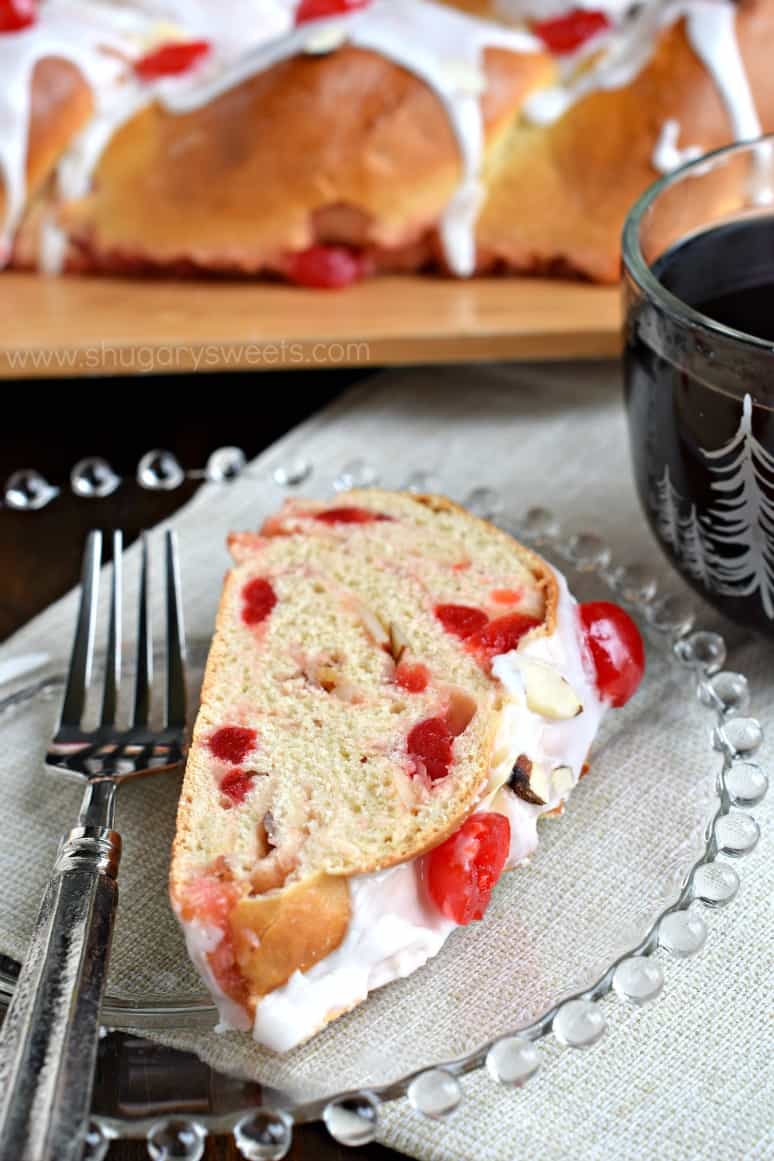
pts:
[347, 721]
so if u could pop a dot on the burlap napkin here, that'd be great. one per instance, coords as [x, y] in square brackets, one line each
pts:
[685, 1078]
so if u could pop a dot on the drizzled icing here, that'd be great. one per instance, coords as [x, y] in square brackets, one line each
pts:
[444, 47]
[453, 68]
[711, 29]
[80, 33]
[621, 54]
[627, 48]
[235, 24]
[101, 39]
[667, 155]
[548, 9]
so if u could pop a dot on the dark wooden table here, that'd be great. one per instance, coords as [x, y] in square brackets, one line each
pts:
[54, 425]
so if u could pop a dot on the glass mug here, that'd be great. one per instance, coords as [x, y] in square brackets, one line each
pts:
[698, 251]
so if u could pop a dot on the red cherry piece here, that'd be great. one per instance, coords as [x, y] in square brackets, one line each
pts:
[461, 620]
[349, 515]
[503, 633]
[412, 678]
[430, 743]
[506, 596]
[326, 267]
[616, 650]
[564, 34]
[207, 897]
[232, 743]
[236, 785]
[211, 900]
[462, 871]
[317, 9]
[259, 599]
[16, 15]
[226, 971]
[169, 60]
[275, 525]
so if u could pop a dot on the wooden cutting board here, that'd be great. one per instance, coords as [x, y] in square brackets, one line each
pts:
[60, 327]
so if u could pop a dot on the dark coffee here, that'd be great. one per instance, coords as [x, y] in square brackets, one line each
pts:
[727, 274]
[703, 446]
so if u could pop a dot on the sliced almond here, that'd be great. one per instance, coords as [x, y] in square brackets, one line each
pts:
[535, 783]
[563, 780]
[540, 782]
[520, 781]
[398, 642]
[373, 626]
[547, 692]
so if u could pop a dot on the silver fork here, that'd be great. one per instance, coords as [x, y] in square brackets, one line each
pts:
[49, 1039]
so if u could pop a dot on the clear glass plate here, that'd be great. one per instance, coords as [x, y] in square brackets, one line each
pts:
[620, 874]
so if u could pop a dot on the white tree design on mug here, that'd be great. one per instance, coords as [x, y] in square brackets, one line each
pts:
[730, 549]
[743, 518]
[695, 549]
[666, 505]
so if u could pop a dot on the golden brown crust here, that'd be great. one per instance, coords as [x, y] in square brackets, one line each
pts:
[345, 147]
[275, 935]
[183, 835]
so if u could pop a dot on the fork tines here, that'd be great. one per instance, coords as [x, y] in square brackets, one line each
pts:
[138, 742]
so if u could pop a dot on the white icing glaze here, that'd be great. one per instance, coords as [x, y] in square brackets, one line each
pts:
[711, 29]
[549, 9]
[552, 743]
[394, 928]
[667, 156]
[711, 32]
[77, 32]
[116, 106]
[231, 24]
[445, 48]
[53, 247]
[623, 51]
[200, 940]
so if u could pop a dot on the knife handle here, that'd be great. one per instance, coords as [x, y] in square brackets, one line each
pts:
[48, 1044]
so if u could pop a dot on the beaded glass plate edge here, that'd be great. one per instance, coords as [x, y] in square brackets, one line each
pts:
[265, 1133]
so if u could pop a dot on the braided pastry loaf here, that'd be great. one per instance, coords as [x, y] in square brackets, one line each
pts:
[324, 140]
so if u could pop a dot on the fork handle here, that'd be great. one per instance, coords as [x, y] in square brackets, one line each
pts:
[48, 1045]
